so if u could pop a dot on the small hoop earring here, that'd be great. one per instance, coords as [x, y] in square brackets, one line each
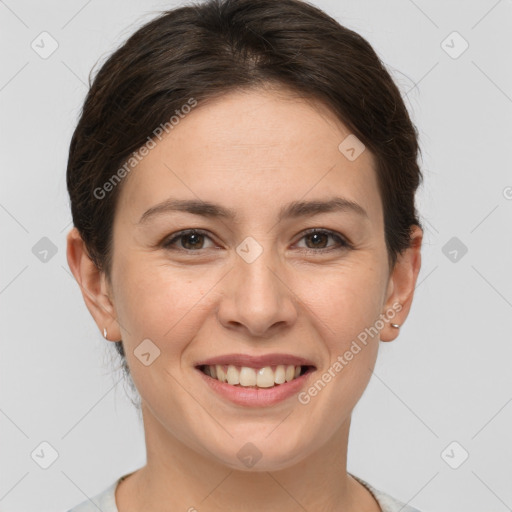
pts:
[396, 326]
[105, 333]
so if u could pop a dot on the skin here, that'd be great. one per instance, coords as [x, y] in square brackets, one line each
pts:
[252, 151]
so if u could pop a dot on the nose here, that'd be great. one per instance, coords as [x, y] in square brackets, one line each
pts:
[257, 298]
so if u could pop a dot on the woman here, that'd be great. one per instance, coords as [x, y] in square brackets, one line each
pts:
[242, 184]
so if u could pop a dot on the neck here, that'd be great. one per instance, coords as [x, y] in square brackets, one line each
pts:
[177, 477]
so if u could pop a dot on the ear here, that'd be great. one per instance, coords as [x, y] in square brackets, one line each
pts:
[401, 285]
[94, 286]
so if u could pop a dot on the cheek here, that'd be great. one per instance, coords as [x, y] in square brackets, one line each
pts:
[345, 305]
[344, 308]
[166, 306]
[166, 302]
[344, 299]
[154, 300]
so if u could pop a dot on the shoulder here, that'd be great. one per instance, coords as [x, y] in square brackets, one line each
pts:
[104, 501]
[386, 502]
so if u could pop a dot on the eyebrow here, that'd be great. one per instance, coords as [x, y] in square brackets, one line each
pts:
[292, 210]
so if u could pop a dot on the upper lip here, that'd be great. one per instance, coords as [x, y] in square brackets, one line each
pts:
[256, 361]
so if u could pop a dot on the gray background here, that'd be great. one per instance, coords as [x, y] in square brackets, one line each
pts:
[446, 378]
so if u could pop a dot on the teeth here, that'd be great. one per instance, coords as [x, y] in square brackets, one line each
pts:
[221, 374]
[245, 376]
[265, 377]
[280, 375]
[232, 375]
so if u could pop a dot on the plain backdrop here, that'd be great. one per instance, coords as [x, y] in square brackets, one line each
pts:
[441, 392]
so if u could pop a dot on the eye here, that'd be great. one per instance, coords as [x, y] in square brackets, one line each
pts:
[319, 237]
[191, 239]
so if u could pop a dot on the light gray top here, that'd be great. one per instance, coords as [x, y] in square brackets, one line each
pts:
[106, 502]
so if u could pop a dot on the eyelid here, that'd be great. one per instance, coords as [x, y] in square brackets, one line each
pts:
[343, 243]
[168, 242]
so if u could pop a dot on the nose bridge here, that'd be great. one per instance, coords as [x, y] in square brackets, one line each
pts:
[258, 297]
[257, 267]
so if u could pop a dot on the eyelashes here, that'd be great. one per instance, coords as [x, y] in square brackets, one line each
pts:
[197, 233]
[194, 237]
[342, 243]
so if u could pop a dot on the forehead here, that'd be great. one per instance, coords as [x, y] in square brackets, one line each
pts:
[250, 150]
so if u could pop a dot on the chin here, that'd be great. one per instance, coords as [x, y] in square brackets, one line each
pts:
[260, 453]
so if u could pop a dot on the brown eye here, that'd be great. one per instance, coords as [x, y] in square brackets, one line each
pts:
[188, 240]
[318, 239]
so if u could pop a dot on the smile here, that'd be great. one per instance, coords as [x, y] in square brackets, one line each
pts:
[245, 376]
[255, 387]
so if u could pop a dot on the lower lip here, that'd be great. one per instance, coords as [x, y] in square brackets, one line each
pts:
[256, 397]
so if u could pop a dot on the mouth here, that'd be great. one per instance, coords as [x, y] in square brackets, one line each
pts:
[258, 378]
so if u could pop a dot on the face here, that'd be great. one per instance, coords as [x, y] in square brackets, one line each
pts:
[254, 280]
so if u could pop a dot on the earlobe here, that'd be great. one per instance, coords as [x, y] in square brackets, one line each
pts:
[92, 284]
[402, 284]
